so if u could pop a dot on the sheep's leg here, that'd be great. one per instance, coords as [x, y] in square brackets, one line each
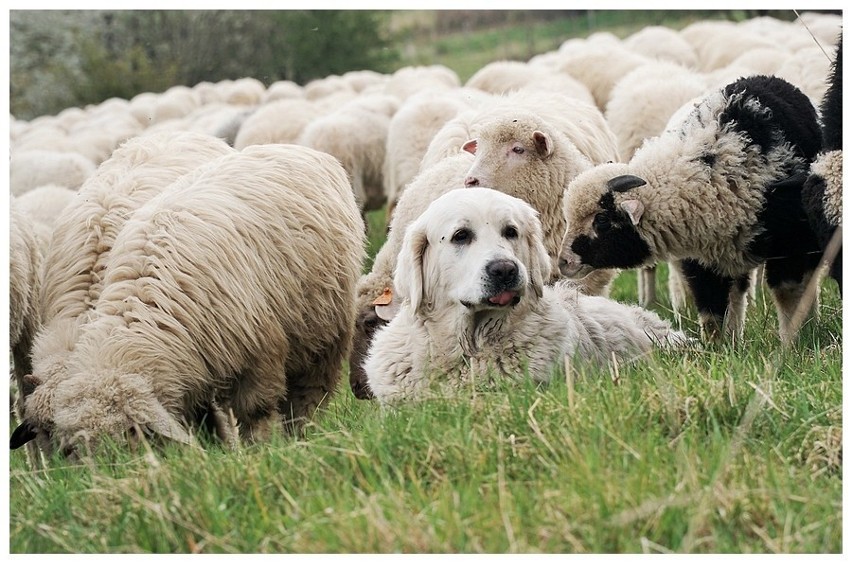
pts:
[737, 304]
[308, 390]
[711, 292]
[254, 397]
[788, 279]
[677, 291]
[647, 285]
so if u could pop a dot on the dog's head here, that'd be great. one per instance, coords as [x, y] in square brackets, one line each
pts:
[475, 247]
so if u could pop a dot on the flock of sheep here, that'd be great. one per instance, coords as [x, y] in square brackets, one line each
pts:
[193, 259]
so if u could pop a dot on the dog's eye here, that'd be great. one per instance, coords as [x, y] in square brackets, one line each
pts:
[510, 232]
[601, 223]
[517, 149]
[462, 236]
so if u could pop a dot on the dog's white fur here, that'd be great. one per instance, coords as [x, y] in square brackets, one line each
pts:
[457, 324]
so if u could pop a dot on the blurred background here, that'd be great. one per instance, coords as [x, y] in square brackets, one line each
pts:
[67, 58]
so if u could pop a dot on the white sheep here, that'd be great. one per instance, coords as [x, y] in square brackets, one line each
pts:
[718, 43]
[356, 135]
[282, 89]
[32, 168]
[600, 66]
[279, 121]
[503, 77]
[83, 236]
[410, 132]
[410, 80]
[44, 206]
[658, 42]
[25, 258]
[235, 284]
[720, 194]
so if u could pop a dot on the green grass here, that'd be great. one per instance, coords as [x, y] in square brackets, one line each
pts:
[712, 449]
[715, 449]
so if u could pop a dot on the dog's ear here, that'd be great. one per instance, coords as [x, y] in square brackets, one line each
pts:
[539, 261]
[408, 274]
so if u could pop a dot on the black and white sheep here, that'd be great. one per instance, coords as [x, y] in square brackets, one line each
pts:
[823, 189]
[235, 284]
[721, 193]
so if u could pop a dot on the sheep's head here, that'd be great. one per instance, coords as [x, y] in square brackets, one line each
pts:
[603, 212]
[83, 409]
[509, 150]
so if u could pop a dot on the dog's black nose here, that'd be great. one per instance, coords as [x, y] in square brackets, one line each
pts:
[502, 271]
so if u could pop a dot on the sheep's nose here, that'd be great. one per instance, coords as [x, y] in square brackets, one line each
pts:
[471, 181]
[504, 271]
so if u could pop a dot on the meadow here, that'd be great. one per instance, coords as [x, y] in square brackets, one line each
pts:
[719, 448]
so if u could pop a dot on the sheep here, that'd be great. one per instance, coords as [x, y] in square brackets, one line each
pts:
[83, 236]
[279, 121]
[356, 135]
[718, 43]
[600, 67]
[25, 258]
[46, 203]
[719, 193]
[234, 284]
[658, 42]
[503, 77]
[282, 89]
[822, 192]
[807, 69]
[530, 145]
[475, 308]
[410, 80]
[33, 168]
[410, 132]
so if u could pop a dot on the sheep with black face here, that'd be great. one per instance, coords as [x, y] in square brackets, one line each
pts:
[721, 193]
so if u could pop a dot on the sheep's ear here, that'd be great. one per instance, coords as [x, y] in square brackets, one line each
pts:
[29, 382]
[470, 146]
[164, 424]
[22, 434]
[634, 209]
[408, 275]
[624, 183]
[543, 144]
[385, 306]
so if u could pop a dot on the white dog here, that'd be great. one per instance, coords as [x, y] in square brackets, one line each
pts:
[471, 276]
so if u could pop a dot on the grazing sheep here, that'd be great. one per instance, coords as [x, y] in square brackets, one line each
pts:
[33, 168]
[356, 135]
[25, 258]
[600, 66]
[45, 204]
[411, 80]
[807, 69]
[281, 90]
[504, 77]
[662, 43]
[83, 236]
[279, 121]
[823, 190]
[718, 193]
[471, 275]
[235, 284]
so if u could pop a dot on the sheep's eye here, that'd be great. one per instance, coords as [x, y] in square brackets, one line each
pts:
[518, 149]
[510, 232]
[601, 223]
[462, 236]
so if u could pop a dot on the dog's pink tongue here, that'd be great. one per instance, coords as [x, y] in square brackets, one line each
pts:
[503, 298]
